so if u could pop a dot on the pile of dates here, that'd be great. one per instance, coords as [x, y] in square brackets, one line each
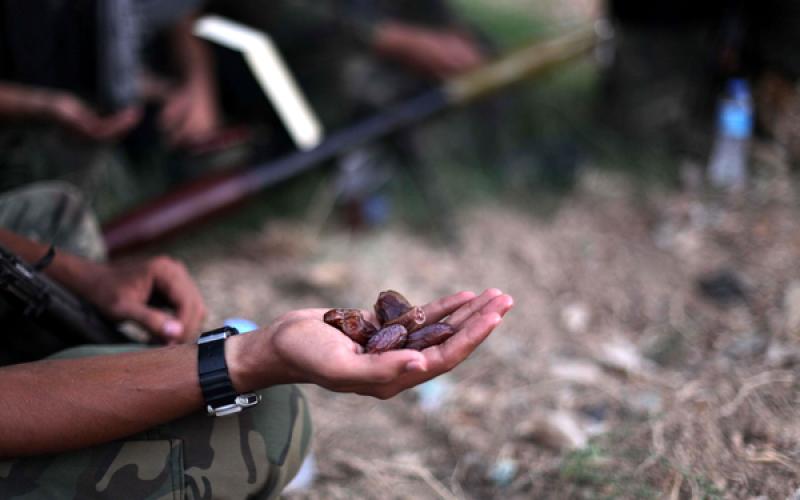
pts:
[401, 325]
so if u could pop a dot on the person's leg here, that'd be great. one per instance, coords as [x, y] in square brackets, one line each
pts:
[253, 454]
[53, 212]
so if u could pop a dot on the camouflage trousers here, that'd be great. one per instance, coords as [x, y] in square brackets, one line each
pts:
[53, 212]
[253, 454]
[42, 153]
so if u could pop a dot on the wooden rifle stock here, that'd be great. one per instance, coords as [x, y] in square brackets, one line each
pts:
[201, 199]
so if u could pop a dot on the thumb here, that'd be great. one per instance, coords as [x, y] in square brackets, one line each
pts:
[387, 366]
[155, 321]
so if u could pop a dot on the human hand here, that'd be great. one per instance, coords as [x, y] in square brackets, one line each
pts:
[300, 348]
[122, 290]
[189, 115]
[75, 115]
[440, 54]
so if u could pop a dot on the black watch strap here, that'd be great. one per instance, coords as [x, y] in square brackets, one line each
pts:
[215, 381]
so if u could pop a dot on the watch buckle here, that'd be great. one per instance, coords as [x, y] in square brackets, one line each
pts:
[242, 401]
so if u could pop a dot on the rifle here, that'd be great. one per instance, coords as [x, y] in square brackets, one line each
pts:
[44, 318]
[207, 196]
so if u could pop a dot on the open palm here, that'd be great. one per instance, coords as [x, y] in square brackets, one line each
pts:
[306, 350]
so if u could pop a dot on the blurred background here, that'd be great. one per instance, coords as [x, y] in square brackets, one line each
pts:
[638, 199]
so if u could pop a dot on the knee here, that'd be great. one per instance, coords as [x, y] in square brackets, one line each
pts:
[283, 419]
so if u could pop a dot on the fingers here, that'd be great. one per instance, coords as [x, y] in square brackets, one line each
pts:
[377, 369]
[472, 332]
[464, 53]
[475, 330]
[155, 321]
[172, 112]
[113, 126]
[175, 118]
[471, 307]
[440, 359]
[388, 381]
[440, 308]
[449, 54]
[106, 128]
[172, 279]
[434, 311]
[188, 117]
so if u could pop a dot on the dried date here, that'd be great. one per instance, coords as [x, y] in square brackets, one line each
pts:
[388, 338]
[429, 336]
[352, 323]
[391, 305]
[401, 325]
[412, 319]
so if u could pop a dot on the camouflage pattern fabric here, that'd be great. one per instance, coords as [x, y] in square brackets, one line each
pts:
[53, 213]
[30, 154]
[253, 454]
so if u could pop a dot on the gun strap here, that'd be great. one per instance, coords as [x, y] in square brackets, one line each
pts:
[46, 259]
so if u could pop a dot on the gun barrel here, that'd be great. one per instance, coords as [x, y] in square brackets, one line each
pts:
[208, 196]
[524, 62]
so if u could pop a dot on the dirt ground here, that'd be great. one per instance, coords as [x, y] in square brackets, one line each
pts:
[615, 376]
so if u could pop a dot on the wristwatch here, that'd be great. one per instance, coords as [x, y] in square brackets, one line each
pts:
[215, 381]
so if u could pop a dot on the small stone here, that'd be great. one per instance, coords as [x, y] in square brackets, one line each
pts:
[645, 402]
[723, 287]
[328, 275]
[791, 306]
[745, 346]
[503, 472]
[576, 317]
[433, 393]
[580, 372]
[559, 431]
[623, 356]
[780, 355]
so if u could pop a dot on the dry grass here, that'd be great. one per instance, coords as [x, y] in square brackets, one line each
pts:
[680, 398]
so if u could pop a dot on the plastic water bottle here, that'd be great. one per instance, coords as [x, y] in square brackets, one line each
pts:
[727, 168]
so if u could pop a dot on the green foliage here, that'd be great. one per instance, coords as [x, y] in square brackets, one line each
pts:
[708, 488]
[584, 466]
[507, 25]
[592, 470]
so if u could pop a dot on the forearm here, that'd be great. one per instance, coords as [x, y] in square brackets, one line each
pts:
[391, 38]
[58, 405]
[65, 268]
[19, 101]
[193, 56]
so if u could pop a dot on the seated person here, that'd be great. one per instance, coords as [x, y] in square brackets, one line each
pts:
[74, 78]
[352, 57]
[125, 421]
